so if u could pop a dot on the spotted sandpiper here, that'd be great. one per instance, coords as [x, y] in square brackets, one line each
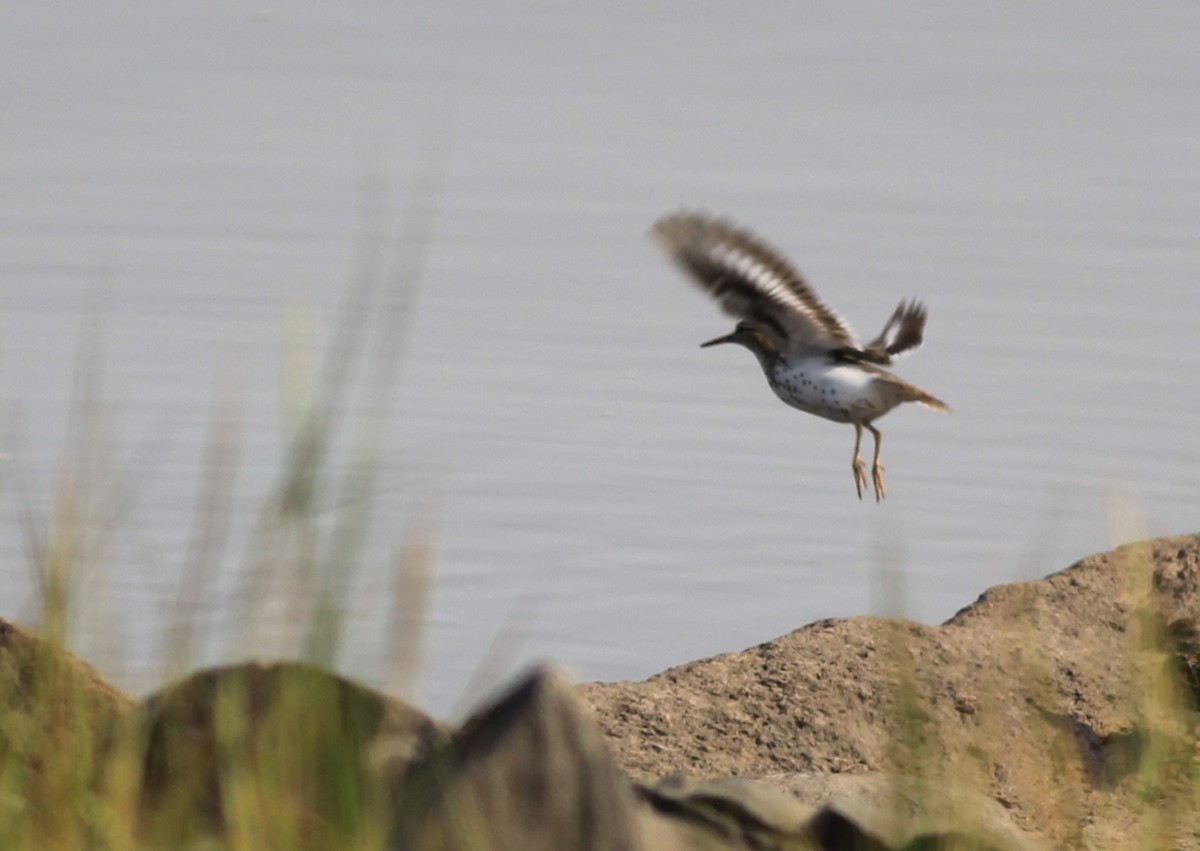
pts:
[808, 353]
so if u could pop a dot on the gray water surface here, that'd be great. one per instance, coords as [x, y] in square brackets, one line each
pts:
[193, 191]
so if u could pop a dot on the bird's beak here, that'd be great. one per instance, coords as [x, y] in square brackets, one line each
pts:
[728, 338]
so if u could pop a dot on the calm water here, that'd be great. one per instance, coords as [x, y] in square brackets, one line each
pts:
[175, 185]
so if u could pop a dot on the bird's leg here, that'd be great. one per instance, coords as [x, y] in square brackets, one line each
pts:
[856, 463]
[876, 467]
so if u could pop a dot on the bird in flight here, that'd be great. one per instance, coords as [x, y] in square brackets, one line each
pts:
[808, 353]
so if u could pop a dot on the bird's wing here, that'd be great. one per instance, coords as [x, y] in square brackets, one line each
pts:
[751, 280]
[904, 331]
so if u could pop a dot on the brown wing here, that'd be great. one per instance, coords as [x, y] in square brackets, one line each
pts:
[904, 331]
[751, 280]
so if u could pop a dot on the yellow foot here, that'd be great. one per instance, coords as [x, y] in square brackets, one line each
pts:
[877, 480]
[860, 475]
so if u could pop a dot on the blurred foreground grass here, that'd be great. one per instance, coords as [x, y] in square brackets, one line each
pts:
[288, 746]
[285, 757]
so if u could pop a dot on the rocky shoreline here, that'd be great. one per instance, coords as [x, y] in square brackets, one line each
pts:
[1047, 714]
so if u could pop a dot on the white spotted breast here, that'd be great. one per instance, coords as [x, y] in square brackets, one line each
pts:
[841, 392]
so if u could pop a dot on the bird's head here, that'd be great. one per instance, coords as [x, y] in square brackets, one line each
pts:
[754, 336]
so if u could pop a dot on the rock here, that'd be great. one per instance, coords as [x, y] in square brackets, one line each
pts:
[1048, 714]
[33, 670]
[731, 813]
[243, 749]
[902, 812]
[56, 716]
[1042, 696]
[529, 773]
[857, 812]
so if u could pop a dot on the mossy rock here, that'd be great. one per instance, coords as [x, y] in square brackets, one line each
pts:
[278, 755]
[56, 716]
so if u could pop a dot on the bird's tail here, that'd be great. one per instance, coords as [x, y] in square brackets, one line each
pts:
[923, 398]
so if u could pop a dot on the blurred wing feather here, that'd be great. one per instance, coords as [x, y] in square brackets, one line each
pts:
[751, 280]
[902, 333]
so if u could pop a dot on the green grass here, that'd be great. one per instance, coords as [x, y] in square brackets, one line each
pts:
[281, 758]
[253, 760]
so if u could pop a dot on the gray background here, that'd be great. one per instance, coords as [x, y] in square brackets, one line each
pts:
[177, 180]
